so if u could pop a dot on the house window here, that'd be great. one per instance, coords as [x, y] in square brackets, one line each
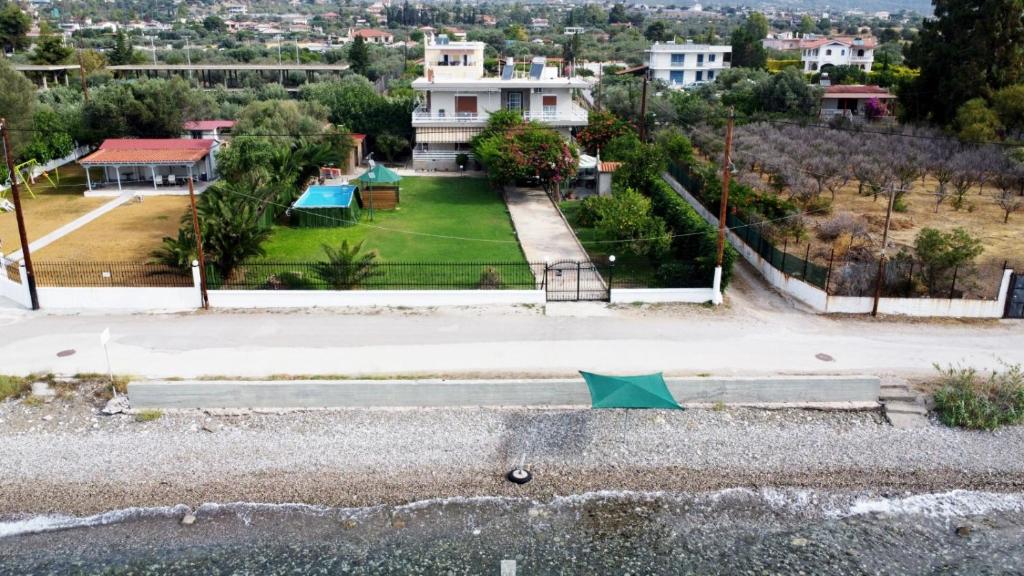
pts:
[676, 77]
[678, 59]
[465, 106]
[515, 101]
[711, 75]
[828, 52]
[700, 59]
[860, 53]
[550, 104]
[842, 52]
[700, 75]
[711, 57]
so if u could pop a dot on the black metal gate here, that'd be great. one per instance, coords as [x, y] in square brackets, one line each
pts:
[571, 281]
[1015, 299]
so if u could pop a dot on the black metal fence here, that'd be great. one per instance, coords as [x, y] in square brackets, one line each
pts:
[570, 280]
[109, 274]
[12, 269]
[378, 276]
[820, 266]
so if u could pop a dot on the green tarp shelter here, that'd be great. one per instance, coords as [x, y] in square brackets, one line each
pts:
[644, 391]
[380, 175]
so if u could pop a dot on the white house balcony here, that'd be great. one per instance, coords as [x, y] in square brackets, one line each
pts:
[424, 117]
[566, 115]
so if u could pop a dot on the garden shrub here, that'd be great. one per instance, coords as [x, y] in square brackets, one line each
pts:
[968, 401]
[289, 281]
[490, 279]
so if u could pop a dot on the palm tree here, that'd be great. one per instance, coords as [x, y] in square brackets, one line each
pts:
[345, 268]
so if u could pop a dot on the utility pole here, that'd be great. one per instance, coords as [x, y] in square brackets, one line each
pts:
[723, 207]
[643, 111]
[81, 73]
[726, 175]
[188, 57]
[881, 256]
[23, 236]
[199, 246]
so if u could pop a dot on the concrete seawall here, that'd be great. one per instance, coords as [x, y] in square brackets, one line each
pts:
[291, 394]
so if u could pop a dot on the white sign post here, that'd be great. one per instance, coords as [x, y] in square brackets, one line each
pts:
[104, 340]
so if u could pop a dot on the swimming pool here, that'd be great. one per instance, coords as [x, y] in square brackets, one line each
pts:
[324, 196]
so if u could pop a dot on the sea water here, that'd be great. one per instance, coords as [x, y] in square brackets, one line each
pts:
[738, 531]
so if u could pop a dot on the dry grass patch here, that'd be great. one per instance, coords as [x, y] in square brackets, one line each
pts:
[50, 209]
[127, 233]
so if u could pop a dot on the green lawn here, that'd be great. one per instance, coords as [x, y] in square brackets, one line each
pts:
[431, 208]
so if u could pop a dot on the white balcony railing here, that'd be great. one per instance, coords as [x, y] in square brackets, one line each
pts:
[571, 115]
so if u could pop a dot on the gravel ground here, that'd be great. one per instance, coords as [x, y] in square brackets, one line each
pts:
[65, 457]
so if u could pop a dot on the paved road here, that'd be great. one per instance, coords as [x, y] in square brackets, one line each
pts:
[757, 332]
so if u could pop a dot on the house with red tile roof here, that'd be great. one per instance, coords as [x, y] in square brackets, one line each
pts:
[207, 129]
[133, 162]
[373, 36]
[819, 54]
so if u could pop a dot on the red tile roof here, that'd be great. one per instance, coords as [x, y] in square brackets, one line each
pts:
[149, 151]
[371, 33]
[609, 166]
[856, 91]
[869, 41]
[208, 125]
[358, 137]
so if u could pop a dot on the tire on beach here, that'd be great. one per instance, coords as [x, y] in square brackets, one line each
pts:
[519, 476]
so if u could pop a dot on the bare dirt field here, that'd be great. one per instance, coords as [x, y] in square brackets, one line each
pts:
[126, 234]
[980, 216]
[51, 208]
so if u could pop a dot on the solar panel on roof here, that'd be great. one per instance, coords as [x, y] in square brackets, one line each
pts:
[506, 72]
[537, 67]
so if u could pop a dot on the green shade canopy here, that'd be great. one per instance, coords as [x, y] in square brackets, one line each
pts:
[381, 175]
[644, 391]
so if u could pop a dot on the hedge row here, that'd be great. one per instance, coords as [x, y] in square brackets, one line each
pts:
[694, 239]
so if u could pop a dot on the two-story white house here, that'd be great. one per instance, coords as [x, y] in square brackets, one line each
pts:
[685, 64]
[820, 54]
[456, 99]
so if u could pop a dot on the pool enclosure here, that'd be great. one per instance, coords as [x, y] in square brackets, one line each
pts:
[327, 206]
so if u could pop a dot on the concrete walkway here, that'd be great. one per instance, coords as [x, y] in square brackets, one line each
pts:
[546, 237]
[70, 227]
[831, 391]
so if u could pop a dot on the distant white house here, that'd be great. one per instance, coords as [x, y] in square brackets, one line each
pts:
[574, 30]
[684, 64]
[820, 54]
[456, 99]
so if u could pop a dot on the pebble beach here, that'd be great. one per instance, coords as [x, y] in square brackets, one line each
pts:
[65, 457]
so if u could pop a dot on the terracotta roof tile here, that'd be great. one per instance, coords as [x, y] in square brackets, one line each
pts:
[149, 151]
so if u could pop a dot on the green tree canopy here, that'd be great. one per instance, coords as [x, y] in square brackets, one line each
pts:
[748, 50]
[14, 28]
[17, 104]
[513, 150]
[154, 108]
[50, 49]
[359, 56]
[969, 49]
[122, 53]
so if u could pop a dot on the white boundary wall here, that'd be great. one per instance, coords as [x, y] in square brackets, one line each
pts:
[135, 299]
[659, 295]
[818, 300]
[345, 298]
[15, 291]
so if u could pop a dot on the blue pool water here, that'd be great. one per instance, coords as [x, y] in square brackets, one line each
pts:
[326, 197]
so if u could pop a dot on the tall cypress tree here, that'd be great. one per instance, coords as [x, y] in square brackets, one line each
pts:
[969, 49]
[359, 56]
